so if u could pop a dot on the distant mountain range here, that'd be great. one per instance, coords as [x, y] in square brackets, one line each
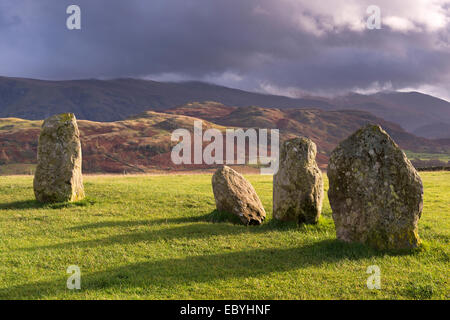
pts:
[412, 110]
[438, 130]
[143, 142]
[113, 100]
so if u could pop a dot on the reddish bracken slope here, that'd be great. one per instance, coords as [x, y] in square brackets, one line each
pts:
[143, 142]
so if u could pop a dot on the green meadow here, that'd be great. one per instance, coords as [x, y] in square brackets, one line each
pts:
[159, 237]
[445, 157]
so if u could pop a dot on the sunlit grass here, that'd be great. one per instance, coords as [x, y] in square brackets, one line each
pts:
[445, 157]
[153, 237]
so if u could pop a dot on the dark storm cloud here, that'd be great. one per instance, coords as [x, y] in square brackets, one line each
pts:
[285, 43]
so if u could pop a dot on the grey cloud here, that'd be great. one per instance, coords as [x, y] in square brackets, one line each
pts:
[202, 39]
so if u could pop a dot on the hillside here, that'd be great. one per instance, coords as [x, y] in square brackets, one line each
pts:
[113, 100]
[437, 130]
[132, 145]
[327, 128]
[143, 142]
[411, 110]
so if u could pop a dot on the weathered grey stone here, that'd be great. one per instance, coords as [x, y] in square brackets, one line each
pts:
[58, 175]
[375, 193]
[235, 195]
[298, 185]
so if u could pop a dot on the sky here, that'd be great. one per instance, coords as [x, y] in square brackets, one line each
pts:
[287, 47]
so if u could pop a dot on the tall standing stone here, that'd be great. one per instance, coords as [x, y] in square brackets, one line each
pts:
[235, 195]
[58, 175]
[375, 193]
[298, 185]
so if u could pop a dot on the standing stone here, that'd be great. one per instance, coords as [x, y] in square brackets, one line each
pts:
[298, 185]
[235, 195]
[375, 193]
[58, 174]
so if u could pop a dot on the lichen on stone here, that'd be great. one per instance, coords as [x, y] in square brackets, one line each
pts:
[386, 191]
[298, 185]
[235, 195]
[58, 176]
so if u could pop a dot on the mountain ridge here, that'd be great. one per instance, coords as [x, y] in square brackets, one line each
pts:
[143, 142]
[113, 100]
[118, 99]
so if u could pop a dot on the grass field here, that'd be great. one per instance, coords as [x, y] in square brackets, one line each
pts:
[445, 157]
[152, 237]
[17, 168]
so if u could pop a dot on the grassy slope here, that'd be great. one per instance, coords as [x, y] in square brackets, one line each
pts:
[147, 237]
[428, 156]
[18, 124]
[143, 142]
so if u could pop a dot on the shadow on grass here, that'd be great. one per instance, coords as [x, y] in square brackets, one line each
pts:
[132, 223]
[170, 274]
[225, 217]
[216, 216]
[212, 217]
[272, 224]
[34, 204]
[187, 232]
[21, 205]
[192, 231]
